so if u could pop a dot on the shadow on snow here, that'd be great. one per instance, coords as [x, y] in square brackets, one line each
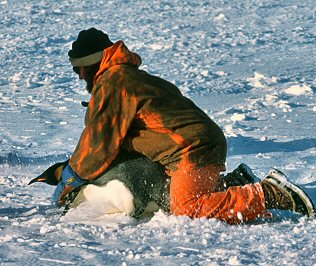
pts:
[248, 145]
[16, 159]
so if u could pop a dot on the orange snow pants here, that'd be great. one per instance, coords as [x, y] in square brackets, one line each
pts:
[193, 193]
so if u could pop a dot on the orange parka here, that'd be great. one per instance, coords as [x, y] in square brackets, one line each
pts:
[133, 110]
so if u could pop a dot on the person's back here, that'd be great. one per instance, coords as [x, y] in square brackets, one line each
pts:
[163, 114]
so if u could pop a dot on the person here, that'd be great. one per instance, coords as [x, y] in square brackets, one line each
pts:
[132, 110]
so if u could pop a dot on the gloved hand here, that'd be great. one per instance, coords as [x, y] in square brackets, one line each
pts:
[69, 181]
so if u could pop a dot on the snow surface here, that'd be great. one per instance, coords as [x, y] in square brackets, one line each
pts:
[249, 64]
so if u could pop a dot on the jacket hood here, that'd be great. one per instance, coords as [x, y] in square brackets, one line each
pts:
[118, 54]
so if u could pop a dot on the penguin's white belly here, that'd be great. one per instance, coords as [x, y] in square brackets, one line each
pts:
[114, 197]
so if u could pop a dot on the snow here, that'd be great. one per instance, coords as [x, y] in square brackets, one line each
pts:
[299, 90]
[250, 65]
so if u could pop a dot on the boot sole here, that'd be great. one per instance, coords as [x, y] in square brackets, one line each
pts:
[280, 179]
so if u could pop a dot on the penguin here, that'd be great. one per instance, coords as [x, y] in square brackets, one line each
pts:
[133, 185]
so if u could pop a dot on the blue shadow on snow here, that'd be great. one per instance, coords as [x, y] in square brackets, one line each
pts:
[16, 159]
[247, 145]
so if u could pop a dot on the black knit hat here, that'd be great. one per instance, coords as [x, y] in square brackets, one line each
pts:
[88, 48]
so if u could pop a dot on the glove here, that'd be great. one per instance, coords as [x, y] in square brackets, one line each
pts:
[69, 181]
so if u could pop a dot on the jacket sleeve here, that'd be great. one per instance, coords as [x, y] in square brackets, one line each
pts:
[110, 113]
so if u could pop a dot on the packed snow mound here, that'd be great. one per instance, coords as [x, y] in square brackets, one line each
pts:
[298, 90]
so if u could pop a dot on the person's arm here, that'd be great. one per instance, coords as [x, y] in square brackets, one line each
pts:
[110, 113]
[109, 116]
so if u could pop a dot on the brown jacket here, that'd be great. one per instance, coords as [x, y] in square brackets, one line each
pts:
[130, 109]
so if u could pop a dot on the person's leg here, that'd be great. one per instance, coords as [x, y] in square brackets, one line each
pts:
[240, 176]
[193, 193]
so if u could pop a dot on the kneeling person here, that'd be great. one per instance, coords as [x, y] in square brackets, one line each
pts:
[132, 110]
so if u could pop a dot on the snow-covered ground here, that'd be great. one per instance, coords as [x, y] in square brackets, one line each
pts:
[251, 65]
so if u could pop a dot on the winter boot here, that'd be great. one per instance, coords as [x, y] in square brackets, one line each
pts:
[282, 194]
[241, 176]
